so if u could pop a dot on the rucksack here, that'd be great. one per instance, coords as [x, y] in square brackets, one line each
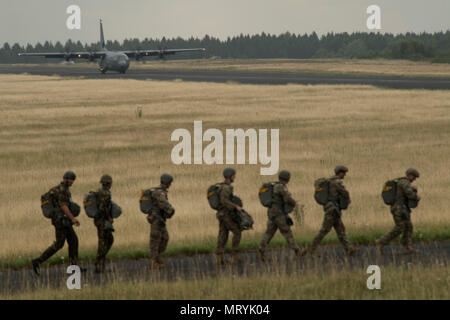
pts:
[47, 206]
[389, 193]
[321, 190]
[213, 196]
[265, 194]
[90, 204]
[146, 201]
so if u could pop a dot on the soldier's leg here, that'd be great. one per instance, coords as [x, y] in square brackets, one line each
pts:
[155, 240]
[286, 231]
[327, 224]
[340, 231]
[101, 250]
[237, 233]
[395, 232]
[222, 237]
[407, 233]
[268, 235]
[72, 241]
[164, 240]
[60, 236]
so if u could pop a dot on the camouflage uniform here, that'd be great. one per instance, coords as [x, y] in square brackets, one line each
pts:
[63, 226]
[278, 219]
[159, 237]
[401, 214]
[227, 221]
[105, 236]
[333, 215]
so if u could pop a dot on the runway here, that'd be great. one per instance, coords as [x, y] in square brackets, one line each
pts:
[268, 78]
[201, 266]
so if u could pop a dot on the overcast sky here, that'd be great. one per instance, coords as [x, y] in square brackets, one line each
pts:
[30, 21]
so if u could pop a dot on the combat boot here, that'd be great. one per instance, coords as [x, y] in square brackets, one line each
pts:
[156, 263]
[235, 258]
[262, 256]
[410, 250]
[220, 260]
[379, 246]
[312, 251]
[36, 267]
[351, 251]
[299, 252]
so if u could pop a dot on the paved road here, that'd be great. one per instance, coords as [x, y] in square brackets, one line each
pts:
[201, 266]
[235, 76]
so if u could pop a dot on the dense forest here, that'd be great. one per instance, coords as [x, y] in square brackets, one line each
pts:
[434, 47]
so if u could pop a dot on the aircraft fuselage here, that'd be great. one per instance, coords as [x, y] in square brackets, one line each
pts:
[114, 61]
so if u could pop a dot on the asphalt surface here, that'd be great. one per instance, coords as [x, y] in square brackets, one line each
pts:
[233, 76]
[200, 266]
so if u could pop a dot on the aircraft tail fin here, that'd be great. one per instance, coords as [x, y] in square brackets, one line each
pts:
[102, 38]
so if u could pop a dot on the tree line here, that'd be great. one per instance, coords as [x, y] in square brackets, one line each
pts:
[434, 47]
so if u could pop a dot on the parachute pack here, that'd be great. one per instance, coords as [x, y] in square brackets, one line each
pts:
[321, 190]
[48, 209]
[91, 206]
[74, 209]
[116, 211]
[265, 194]
[244, 219]
[213, 196]
[145, 202]
[389, 193]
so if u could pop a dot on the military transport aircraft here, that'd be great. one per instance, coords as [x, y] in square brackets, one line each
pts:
[111, 60]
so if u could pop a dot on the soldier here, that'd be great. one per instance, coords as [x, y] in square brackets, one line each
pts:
[62, 220]
[333, 212]
[225, 215]
[402, 213]
[277, 217]
[103, 221]
[159, 237]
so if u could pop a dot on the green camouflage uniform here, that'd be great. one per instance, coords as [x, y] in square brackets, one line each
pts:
[159, 237]
[278, 219]
[63, 226]
[105, 237]
[401, 214]
[226, 221]
[333, 214]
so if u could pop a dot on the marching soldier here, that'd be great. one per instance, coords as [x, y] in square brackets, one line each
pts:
[333, 213]
[278, 219]
[225, 217]
[103, 221]
[162, 210]
[401, 212]
[62, 220]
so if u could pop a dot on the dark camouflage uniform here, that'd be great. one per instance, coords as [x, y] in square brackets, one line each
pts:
[159, 237]
[227, 222]
[278, 219]
[63, 226]
[105, 237]
[333, 214]
[401, 214]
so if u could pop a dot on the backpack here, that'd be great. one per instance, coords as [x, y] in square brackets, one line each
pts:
[265, 194]
[90, 204]
[213, 196]
[146, 201]
[389, 192]
[48, 209]
[321, 189]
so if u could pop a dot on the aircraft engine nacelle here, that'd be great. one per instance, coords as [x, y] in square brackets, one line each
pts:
[67, 56]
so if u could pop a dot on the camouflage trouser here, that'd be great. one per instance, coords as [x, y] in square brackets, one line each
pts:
[277, 220]
[332, 219]
[403, 225]
[62, 234]
[159, 238]
[226, 224]
[105, 242]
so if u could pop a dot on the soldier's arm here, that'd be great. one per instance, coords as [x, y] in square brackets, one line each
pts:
[163, 204]
[69, 214]
[225, 198]
[408, 190]
[340, 188]
[63, 202]
[286, 195]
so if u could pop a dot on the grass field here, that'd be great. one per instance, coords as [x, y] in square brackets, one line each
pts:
[51, 124]
[407, 282]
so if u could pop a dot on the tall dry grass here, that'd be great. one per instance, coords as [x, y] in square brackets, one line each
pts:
[51, 124]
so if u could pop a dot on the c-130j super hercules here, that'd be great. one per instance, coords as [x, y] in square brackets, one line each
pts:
[111, 60]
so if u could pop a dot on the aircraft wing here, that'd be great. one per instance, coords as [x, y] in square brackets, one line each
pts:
[66, 55]
[161, 52]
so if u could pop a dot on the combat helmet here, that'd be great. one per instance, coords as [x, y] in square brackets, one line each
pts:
[413, 172]
[228, 172]
[106, 179]
[340, 168]
[284, 175]
[166, 178]
[70, 175]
